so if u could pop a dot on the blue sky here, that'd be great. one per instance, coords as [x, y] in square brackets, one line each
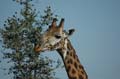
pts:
[97, 36]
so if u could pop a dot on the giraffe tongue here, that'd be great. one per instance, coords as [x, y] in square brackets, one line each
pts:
[37, 49]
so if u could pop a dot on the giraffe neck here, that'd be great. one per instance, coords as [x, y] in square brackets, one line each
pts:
[72, 64]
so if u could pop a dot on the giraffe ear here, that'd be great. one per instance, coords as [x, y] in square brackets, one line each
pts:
[53, 23]
[61, 25]
[71, 31]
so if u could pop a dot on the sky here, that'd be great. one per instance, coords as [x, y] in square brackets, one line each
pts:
[97, 36]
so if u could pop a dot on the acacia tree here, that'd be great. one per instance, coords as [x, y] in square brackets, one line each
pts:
[19, 35]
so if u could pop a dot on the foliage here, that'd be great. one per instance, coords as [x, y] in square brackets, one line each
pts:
[19, 34]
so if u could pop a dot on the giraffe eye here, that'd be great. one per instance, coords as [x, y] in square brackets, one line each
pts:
[57, 36]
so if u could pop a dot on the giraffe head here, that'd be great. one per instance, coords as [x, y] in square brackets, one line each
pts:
[54, 37]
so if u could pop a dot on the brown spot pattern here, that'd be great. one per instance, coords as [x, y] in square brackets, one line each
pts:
[73, 77]
[75, 64]
[68, 68]
[80, 77]
[73, 71]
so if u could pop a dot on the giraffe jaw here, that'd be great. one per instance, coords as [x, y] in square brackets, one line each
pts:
[43, 48]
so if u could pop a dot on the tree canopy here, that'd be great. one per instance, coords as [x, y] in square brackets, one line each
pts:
[19, 35]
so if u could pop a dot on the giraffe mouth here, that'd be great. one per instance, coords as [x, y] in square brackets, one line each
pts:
[43, 48]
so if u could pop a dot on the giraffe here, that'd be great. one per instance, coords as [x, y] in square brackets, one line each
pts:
[55, 38]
